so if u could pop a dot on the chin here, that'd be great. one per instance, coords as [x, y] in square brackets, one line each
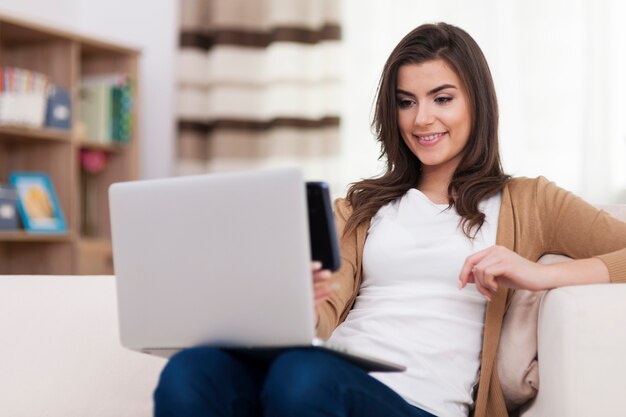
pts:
[429, 162]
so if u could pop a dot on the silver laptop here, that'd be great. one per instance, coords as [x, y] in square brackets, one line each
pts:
[220, 260]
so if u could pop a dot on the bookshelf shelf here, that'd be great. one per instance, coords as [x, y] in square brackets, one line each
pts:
[21, 236]
[67, 60]
[109, 148]
[26, 133]
[95, 255]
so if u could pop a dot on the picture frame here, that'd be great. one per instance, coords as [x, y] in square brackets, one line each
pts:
[37, 203]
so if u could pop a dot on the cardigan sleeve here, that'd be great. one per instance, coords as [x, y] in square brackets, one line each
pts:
[345, 278]
[577, 229]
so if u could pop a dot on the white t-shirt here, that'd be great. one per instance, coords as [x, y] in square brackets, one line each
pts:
[410, 309]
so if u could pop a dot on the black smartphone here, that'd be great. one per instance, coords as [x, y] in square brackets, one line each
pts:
[322, 232]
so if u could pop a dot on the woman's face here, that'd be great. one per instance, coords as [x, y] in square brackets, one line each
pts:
[434, 115]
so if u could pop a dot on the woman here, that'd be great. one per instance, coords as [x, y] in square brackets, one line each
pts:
[443, 215]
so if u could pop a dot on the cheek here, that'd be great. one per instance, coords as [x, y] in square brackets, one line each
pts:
[404, 135]
[402, 120]
[405, 125]
[461, 120]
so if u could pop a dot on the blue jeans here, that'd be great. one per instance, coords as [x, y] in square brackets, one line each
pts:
[297, 383]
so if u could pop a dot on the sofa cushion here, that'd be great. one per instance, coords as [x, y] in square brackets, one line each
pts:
[61, 354]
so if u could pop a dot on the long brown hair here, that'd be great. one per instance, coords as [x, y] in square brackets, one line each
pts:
[479, 174]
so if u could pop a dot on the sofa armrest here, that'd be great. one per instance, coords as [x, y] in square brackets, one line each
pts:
[582, 353]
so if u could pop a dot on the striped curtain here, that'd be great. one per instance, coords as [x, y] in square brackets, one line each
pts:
[258, 86]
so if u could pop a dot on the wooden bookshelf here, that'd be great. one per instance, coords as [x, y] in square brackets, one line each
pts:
[22, 236]
[65, 58]
[20, 133]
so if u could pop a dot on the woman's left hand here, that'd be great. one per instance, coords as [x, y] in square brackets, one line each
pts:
[498, 266]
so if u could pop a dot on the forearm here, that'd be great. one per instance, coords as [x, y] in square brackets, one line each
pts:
[576, 272]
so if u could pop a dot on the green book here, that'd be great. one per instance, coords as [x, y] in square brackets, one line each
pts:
[95, 110]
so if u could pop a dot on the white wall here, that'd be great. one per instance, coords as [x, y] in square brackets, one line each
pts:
[558, 66]
[55, 13]
[559, 69]
[148, 25]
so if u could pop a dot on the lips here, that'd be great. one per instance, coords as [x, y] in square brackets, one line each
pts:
[430, 138]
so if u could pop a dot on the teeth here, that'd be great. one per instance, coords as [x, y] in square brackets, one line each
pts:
[430, 137]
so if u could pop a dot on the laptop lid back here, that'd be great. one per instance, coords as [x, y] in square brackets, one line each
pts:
[222, 259]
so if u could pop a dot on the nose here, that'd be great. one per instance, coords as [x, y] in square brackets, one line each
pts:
[423, 116]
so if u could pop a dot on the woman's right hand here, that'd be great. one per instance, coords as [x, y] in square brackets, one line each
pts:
[322, 287]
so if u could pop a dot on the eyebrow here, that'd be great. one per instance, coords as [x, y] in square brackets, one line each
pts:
[430, 93]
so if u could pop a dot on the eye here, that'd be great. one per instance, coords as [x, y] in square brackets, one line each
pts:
[443, 99]
[404, 103]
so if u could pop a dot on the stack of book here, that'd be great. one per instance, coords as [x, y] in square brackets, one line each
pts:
[23, 95]
[106, 108]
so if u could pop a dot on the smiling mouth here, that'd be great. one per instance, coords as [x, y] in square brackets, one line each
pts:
[430, 138]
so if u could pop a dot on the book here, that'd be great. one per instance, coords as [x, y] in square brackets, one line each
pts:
[94, 111]
[23, 97]
[8, 208]
[59, 109]
[106, 103]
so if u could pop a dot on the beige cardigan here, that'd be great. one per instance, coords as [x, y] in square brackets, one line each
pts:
[536, 218]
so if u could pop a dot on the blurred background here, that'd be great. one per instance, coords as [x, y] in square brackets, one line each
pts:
[238, 84]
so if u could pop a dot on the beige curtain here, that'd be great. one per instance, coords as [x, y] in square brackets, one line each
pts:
[258, 85]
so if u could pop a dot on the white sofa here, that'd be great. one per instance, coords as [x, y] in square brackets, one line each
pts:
[582, 353]
[60, 355]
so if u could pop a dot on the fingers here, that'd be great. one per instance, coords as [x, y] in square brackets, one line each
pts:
[483, 269]
[484, 291]
[321, 275]
[466, 275]
[497, 267]
[485, 277]
[316, 266]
